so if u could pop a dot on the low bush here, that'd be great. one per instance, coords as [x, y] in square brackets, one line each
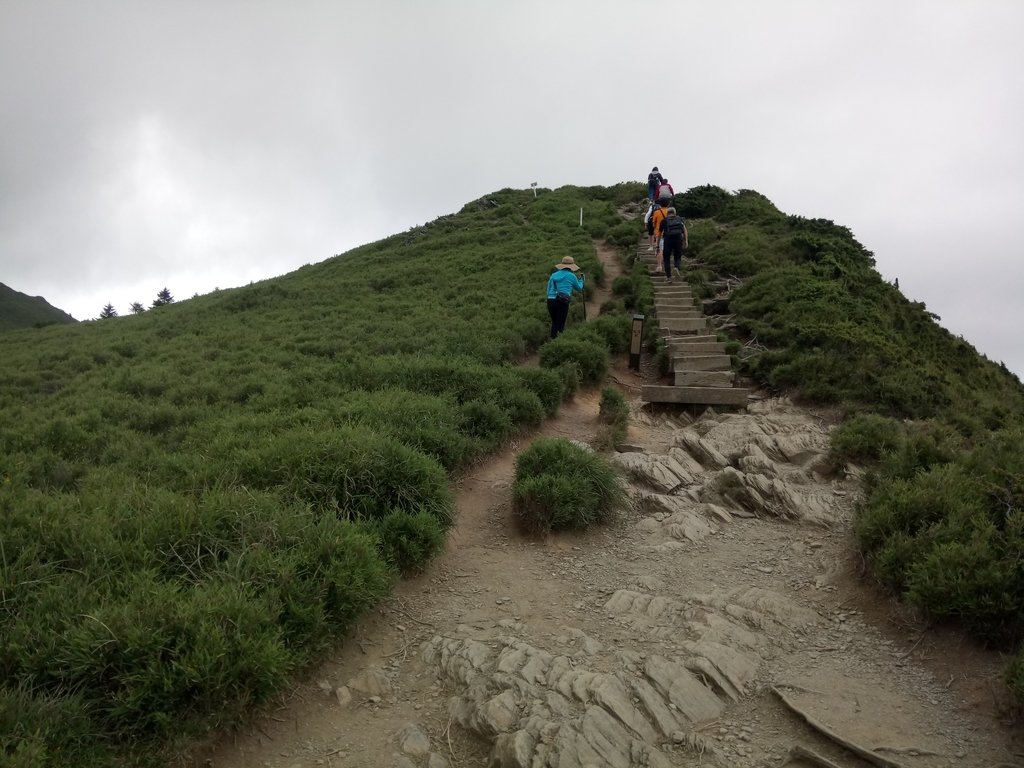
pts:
[613, 408]
[866, 438]
[949, 534]
[487, 421]
[546, 384]
[615, 330]
[581, 348]
[406, 541]
[356, 473]
[559, 485]
[614, 412]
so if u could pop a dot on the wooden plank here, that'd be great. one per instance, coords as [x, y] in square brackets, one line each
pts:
[683, 324]
[655, 393]
[691, 338]
[680, 348]
[701, 362]
[677, 306]
[676, 314]
[704, 378]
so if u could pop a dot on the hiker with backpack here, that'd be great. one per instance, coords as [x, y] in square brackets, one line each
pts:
[561, 284]
[676, 239]
[653, 180]
[656, 218]
[664, 193]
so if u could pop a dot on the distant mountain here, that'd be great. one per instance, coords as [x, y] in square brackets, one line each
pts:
[18, 310]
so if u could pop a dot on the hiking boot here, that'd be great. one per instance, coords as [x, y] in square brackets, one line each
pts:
[668, 281]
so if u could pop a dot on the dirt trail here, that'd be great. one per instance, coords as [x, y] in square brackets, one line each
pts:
[655, 641]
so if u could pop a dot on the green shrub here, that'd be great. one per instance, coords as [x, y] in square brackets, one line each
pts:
[351, 470]
[702, 201]
[407, 541]
[569, 373]
[623, 234]
[615, 330]
[546, 384]
[866, 437]
[622, 285]
[590, 357]
[559, 485]
[613, 409]
[614, 412]
[486, 421]
[522, 406]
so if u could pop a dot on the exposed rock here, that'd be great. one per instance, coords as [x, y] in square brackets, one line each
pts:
[681, 687]
[412, 741]
[372, 681]
[343, 695]
[699, 449]
[663, 473]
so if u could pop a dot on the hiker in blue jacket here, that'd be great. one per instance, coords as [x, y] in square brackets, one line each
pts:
[561, 284]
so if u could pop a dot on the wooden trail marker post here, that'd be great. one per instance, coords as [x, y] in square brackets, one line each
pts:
[636, 342]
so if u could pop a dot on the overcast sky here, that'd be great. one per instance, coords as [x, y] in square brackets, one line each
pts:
[197, 144]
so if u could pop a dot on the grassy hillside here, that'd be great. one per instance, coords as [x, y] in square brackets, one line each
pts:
[939, 424]
[198, 500]
[20, 311]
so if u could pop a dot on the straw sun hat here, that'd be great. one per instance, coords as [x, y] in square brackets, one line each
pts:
[567, 262]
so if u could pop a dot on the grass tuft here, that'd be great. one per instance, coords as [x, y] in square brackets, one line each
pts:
[559, 485]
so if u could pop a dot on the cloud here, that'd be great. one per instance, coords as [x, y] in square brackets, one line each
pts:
[198, 145]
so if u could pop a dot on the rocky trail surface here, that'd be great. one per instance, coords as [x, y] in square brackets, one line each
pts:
[722, 621]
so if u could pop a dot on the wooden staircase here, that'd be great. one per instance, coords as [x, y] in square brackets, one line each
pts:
[700, 367]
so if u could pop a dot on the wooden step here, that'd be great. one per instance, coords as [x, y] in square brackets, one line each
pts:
[663, 309]
[683, 324]
[657, 393]
[675, 314]
[691, 338]
[674, 302]
[680, 349]
[701, 362]
[704, 378]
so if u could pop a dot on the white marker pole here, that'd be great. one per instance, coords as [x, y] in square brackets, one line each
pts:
[581, 217]
[534, 187]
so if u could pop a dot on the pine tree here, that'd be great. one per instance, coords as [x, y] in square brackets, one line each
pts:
[163, 297]
[137, 308]
[108, 311]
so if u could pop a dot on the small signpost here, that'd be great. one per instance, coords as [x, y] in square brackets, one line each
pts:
[533, 186]
[636, 342]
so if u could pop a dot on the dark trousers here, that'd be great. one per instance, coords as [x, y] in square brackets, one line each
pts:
[559, 311]
[673, 252]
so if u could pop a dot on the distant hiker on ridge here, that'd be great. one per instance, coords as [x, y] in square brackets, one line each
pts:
[673, 230]
[561, 284]
[653, 180]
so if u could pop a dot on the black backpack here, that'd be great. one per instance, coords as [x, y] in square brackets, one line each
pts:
[673, 226]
